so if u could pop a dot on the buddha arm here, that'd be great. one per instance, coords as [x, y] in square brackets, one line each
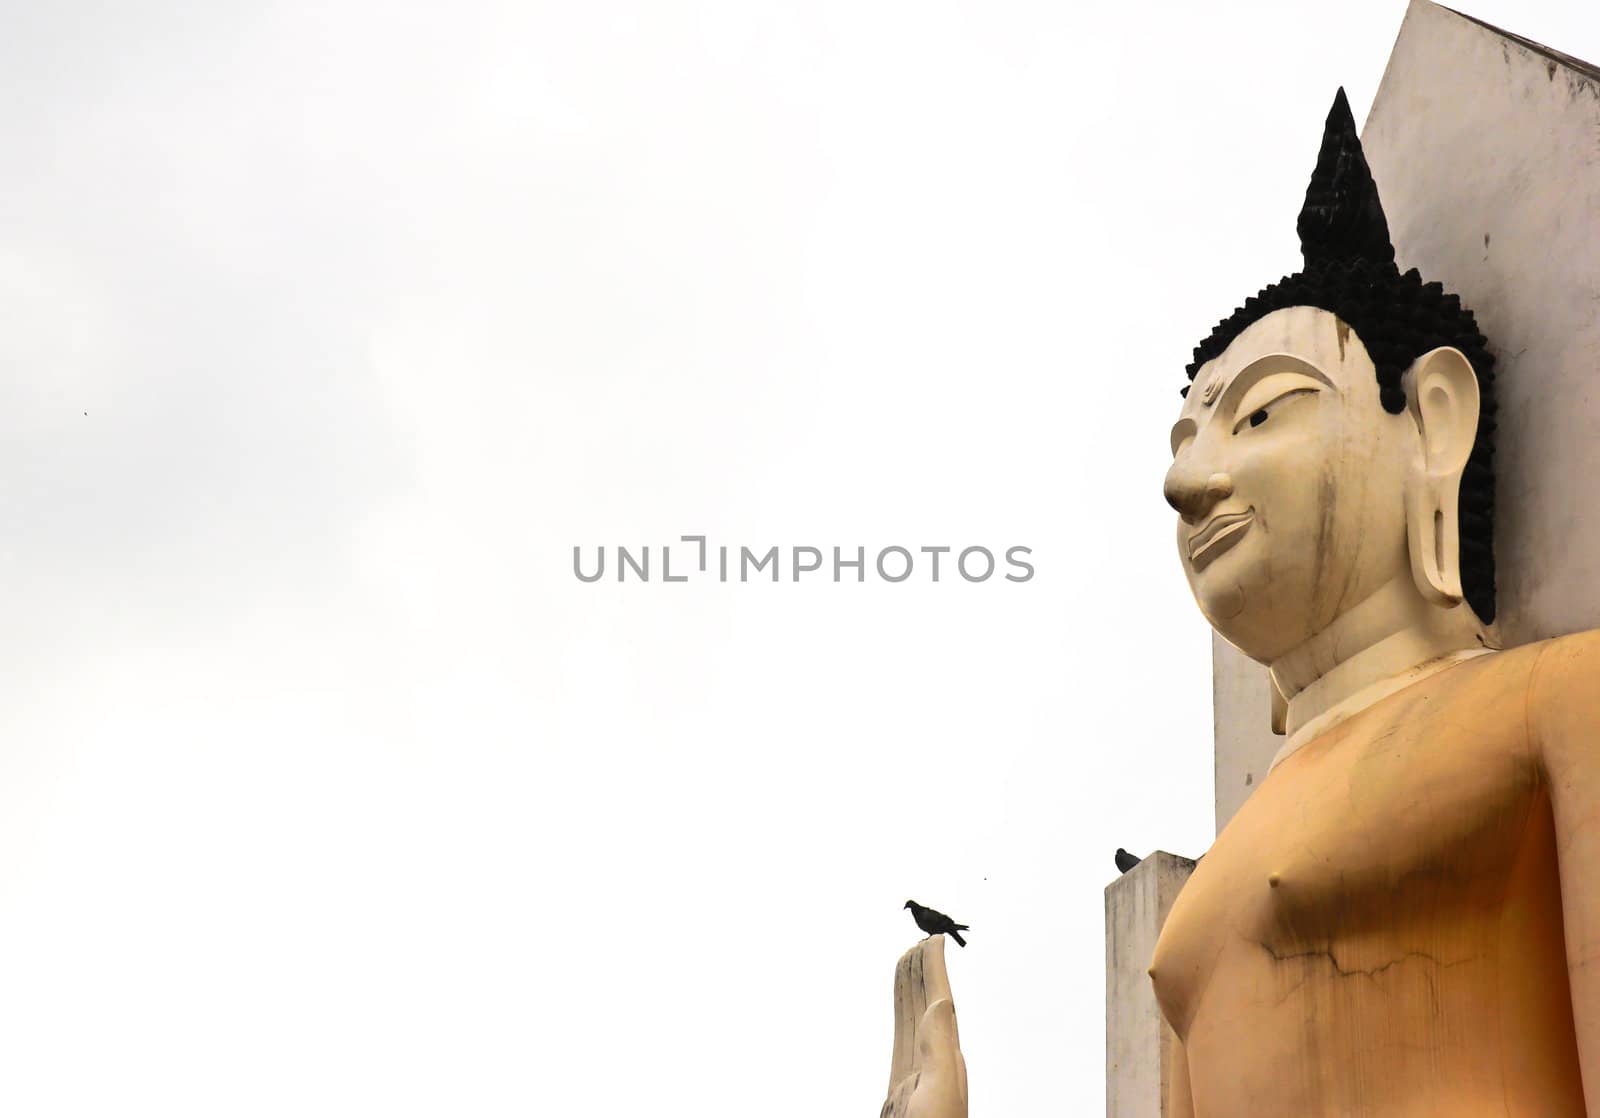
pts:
[1564, 723]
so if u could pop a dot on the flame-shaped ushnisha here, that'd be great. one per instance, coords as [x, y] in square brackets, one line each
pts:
[1342, 218]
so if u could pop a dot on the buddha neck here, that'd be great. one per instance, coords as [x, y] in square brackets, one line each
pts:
[1392, 639]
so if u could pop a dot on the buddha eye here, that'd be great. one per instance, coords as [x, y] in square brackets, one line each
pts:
[1266, 403]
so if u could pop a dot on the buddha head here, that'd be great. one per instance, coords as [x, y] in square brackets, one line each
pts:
[1335, 438]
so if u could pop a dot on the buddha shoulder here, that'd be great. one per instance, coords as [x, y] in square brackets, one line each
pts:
[1564, 692]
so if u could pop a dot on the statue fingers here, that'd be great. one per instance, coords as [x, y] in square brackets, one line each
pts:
[935, 979]
[928, 1075]
[910, 1003]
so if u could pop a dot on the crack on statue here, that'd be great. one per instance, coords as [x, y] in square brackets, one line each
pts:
[1353, 972]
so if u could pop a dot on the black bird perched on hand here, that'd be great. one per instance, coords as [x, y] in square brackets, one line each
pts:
[1126, 861]
[935, 922]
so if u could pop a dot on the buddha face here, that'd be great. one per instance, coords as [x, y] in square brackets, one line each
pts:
[1289, 481]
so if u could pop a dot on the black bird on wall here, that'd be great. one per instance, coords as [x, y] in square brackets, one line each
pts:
[936, 922]
[1126, 861]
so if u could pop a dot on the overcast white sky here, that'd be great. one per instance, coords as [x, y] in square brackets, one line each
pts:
[327, 330]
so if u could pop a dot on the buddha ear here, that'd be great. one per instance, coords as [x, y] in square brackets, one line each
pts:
[1442, 396]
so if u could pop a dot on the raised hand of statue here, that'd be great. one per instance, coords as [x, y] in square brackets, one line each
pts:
[928, 1078]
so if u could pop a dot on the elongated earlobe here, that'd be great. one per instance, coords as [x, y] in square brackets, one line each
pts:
[1442, 396]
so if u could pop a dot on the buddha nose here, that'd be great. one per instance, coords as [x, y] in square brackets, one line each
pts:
[1195, 496]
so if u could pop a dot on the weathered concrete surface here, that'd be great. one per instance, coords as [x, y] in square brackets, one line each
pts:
[1241, 711]
[1486, 150]
[1138, 1041]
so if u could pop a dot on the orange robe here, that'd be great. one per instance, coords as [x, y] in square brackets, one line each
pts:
[1379, 930]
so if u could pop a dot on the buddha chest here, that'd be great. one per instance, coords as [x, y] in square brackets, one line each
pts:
[1388, 893]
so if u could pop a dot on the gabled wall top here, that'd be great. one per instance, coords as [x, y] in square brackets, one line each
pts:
[1588, 69]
